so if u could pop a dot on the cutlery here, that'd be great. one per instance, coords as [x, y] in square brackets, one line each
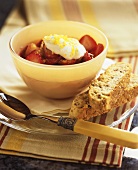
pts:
[16, 110]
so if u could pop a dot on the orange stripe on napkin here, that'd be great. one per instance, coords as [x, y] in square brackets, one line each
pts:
[89, 17]
[96, 142]
[4, 134]
[135, 63]
[56, 10]
[136, 4]
[128, 119]
[114, 146]
[119, 126]
[88, 14]
[94, 150]
[86, 149]
[126, 127]
[106, 153]
[113, 155]
[1, 127]
[87, 145]
[115, 114]
[120, 155]
[123, 110]
[71, 10]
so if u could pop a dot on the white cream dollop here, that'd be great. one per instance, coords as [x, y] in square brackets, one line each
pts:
[69, 48]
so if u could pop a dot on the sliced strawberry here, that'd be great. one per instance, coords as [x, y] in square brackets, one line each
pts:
[35, 56]
[88, 42]
[86, 57]
[38, 43]
[30, 47]
[99, 49]
[22, 53]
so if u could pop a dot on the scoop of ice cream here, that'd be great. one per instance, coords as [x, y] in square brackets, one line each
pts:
[69, 48]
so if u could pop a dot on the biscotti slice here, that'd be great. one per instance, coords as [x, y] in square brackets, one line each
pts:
[130, 92]
[106, 90]
[81, 108]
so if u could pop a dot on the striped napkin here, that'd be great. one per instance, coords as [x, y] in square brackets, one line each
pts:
[120, 28]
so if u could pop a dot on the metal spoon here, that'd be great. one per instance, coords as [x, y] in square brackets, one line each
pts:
[17, 110]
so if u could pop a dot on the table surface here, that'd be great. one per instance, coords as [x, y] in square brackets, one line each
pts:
[14, 163]
[11, 162]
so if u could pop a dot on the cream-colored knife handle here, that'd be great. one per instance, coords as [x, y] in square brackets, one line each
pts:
[11, 113]
[105, 133]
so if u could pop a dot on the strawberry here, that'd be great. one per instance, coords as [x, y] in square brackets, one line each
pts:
[88, 42]
[99, 49]
[30, 47]
[87, 56]
[35, 56]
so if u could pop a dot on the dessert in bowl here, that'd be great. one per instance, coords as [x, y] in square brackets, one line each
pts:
[66, 78]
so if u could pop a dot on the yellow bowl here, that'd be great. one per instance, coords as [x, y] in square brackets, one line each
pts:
[54, 81]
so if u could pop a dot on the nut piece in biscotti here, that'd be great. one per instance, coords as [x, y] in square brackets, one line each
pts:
[80, 105]
[81, 108]
[130, 92]
[105, 91]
